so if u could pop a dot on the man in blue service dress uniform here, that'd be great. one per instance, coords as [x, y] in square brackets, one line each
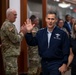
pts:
[53, 45]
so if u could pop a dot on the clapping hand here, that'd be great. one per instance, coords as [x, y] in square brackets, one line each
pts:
[27, 26]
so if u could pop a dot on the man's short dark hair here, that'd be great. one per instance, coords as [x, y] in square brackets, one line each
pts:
[67, 15]
[32, 17]
[52, 12]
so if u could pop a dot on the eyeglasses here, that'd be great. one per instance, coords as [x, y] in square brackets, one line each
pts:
[61, 22]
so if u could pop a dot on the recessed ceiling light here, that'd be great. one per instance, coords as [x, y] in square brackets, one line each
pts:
[57, 0]
[64, 5]
[71, 7]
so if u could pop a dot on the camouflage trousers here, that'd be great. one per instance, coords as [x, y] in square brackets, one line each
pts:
[10, 65]
[34, 67]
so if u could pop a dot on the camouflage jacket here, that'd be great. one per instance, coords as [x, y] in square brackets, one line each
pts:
[33, 50]
[10, 39]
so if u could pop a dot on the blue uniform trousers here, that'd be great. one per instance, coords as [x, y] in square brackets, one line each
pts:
[50, 67]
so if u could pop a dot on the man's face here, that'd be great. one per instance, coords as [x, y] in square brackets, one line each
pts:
[13, 16]
[51, 21]
[36, 21]
[68, 18]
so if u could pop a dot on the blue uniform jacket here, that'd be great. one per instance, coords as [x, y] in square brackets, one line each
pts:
[59, 44]
[67, 27]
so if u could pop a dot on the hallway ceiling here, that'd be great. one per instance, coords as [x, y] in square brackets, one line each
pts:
[71, 1]
[40, 1]
[54, 2]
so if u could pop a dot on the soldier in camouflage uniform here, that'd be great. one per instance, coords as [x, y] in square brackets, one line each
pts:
[11, 42]
[34, 59]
